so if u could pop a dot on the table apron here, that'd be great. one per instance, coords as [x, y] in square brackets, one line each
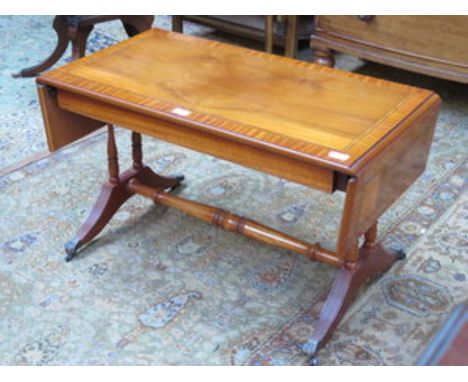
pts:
[244, 154]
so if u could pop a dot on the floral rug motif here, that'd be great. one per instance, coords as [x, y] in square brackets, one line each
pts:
[160, 288]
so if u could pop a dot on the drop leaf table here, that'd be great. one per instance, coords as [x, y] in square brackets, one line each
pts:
[310, 124]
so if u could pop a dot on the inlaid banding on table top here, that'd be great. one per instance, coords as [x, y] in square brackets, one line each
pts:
[312, 142]
[213, 123]
[343, 75]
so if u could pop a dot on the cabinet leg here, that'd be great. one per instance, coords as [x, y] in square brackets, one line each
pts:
[324, 56]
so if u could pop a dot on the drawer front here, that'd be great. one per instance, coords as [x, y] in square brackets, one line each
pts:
[437, 38]
[235, 151]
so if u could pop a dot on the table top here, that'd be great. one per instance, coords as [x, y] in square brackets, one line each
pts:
[304, 110]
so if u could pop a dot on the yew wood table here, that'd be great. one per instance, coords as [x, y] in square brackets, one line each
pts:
[321, 127]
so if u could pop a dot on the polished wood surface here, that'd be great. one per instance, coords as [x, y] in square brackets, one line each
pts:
[56, 120]
[275, 163]
[386, 178]
[280, 104]
[433, 45]
[317, 126]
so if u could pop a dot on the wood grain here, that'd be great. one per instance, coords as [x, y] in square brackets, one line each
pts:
[285, 104]
[385, 179]
[242, 152]
[236, 223]
[313, 125]
[62, 127]
[432, 45]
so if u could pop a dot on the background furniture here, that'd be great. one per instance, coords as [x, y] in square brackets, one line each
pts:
[283, 31]
[76, 29]
[432, 45]
[449, 347]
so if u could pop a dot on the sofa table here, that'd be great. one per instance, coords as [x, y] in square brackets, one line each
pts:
[429, 44]
[310, 124]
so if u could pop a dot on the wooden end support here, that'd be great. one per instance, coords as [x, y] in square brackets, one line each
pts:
[355, 264]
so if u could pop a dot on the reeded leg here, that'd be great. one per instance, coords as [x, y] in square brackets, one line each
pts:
[324, 56]
[373, 260]
[60, 27]
[115, 191]
[111, 198]
[113, 194]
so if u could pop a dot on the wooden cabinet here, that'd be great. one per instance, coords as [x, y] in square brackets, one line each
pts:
[432, 45]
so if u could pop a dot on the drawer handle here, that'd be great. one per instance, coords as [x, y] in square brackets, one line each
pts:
[366, 19]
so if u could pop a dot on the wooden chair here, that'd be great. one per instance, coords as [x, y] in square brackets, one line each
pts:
[76, 29]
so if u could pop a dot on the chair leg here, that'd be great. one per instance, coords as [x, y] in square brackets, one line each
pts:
[136, 24]
[61, 28]
[79, 37]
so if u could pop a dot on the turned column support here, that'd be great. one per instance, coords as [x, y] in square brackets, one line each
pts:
[137, 153]
[234, 223]
[371, 237]
[112, 156]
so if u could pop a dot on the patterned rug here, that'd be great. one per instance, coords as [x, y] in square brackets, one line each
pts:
[160, 288]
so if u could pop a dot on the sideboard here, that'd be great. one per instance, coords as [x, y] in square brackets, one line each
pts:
[432, 45]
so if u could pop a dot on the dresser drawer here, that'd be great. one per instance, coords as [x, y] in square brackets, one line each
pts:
[433, 41]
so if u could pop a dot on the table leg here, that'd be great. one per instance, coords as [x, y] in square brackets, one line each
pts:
[343, 292]
[115, 192]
